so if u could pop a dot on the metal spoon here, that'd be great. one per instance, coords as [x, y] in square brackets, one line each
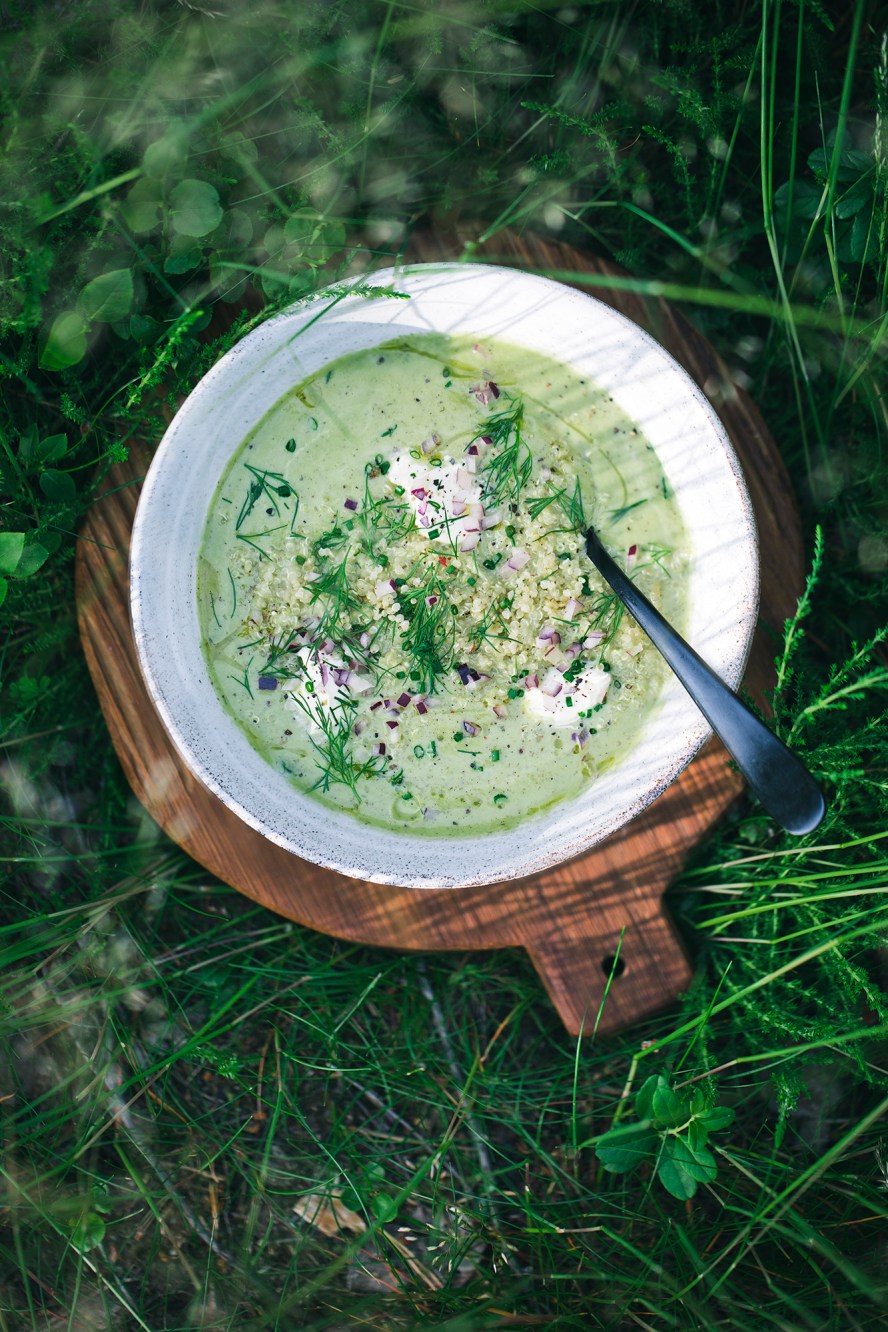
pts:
[782, 783]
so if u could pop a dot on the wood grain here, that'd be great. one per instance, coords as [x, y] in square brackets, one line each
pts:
[574, 918]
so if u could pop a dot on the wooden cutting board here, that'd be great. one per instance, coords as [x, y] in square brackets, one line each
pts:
[574, 918]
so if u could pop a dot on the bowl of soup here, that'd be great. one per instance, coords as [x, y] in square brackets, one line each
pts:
[359, 588]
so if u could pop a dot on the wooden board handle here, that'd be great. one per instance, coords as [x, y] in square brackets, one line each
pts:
[651, 969]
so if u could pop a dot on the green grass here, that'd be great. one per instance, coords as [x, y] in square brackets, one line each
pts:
[196, 1095]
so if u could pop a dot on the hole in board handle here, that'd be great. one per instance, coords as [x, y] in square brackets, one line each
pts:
[607, 965]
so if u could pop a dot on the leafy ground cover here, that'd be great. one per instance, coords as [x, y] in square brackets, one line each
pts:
[215, 1119]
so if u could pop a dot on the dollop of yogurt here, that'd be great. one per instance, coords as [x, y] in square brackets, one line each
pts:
[549, 699]
[438, 495]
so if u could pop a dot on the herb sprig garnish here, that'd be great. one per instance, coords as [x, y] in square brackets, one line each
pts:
[252, 539]
[273, 485]
[335, 759]
[484, 631]
[617, 514]
[429, 637]
[570, 505]
[334, 587]
[607, 616]
[508, 463]
[281, 661]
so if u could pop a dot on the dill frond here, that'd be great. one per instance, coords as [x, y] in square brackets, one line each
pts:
[508, 468]
[335, 760]
[428, 639]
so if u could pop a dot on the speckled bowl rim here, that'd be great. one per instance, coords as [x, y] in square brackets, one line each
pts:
[461, 873]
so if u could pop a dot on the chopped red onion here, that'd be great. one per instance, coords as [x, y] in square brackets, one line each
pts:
[485, 392]
[421, 707]
[341, 676]
[471, 465]
[325, 674]
[491, 520]
[420, 492]
[469, 541]
[552, 685]
[547, 635]
[470, 728]
[631, 556]
[425, 520]
[472, 450]
[268, 682]
[430, 443]
[457, 507]
[500, 710]
[351, 504]
[359, 726]
[379, 749]
[531, 681]
[485, 439]
[365, 640]
[462, 479]
[571, 608]
[377, 704]
[403, 700]
[430, 601]
[464, 673]
[386, 589]
[593, 639]
[517, 560]
[570, 657]
[392, 725]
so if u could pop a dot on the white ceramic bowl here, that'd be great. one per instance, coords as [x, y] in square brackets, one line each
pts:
[229, 401]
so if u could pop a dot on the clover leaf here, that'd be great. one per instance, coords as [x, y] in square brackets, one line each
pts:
[671, 1135]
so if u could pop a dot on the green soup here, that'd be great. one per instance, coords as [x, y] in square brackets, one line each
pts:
[394, 595]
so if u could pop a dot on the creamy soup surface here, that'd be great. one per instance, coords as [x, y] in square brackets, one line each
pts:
[394, 595]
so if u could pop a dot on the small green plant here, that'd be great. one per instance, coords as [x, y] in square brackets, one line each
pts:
[671, 1135]
[88, 1228]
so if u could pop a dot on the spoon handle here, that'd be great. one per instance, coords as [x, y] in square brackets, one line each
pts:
[774, 774]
